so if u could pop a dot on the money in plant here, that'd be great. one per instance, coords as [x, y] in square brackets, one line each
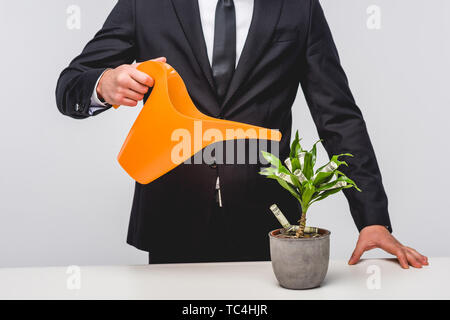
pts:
[298, 176]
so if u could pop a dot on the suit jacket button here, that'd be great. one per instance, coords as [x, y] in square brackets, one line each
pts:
[77, 107]
[214, 164]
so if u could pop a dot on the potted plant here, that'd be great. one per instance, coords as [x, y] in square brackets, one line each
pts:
[300, 254]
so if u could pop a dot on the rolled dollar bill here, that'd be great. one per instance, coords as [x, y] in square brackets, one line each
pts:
[294, 228]
[280, 216]
[338, 184]
[299, 174]
[311, 230]
[301, 158]
[285, 177]
[288, 164]
[329, 167]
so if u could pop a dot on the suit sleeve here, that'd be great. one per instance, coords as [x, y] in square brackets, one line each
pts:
[111, 47]
[340, 123]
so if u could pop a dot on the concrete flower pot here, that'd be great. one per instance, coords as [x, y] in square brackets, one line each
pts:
[300, 263]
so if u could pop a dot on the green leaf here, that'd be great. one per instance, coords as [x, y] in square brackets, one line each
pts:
[295, 164]
[295, 149]
[295, 146]
[308, 192]
[275, 162]
[328, 185]
[322, 177]
[288, 187]
[328, 193]
[295, 181]
[335, 159]
[343, 177]
[331, 187]
[268, 171]
[308, 169]
[301, 159]
[314, 152]
[271, 159]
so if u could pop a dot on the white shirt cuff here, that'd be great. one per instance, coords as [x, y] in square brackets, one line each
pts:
[96, 104]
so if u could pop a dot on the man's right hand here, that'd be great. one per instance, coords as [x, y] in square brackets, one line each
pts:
[124, 85]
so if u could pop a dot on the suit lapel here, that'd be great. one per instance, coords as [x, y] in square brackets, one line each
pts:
[265, 18]
[188, 14]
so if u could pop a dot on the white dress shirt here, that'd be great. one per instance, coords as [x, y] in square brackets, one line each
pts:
[244, 14]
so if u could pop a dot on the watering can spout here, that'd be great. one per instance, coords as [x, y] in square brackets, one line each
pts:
[170, 129]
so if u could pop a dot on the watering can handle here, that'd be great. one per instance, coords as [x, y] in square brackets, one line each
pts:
[152, 71]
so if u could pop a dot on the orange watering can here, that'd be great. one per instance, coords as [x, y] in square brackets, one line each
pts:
[153, 148]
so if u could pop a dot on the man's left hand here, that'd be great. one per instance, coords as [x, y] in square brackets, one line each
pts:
[377, 236]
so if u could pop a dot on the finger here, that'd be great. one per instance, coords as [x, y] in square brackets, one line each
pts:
[141, 77]
[137, 87]
[412, 260]
[133, 95]
[162, 59]
[390, 245]
[421, 258]
[357, 253]
[401, 256]
[128, 102]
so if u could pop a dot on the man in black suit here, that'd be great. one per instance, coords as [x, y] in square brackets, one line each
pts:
[242, 61]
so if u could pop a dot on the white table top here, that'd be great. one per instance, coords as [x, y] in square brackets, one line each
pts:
[242, 280]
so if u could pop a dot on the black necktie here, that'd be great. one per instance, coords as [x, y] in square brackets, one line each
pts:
[224, 52]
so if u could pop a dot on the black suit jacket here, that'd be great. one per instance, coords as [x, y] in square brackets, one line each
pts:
[289, 43]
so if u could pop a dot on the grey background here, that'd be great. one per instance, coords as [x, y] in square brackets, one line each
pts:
[65, 200]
